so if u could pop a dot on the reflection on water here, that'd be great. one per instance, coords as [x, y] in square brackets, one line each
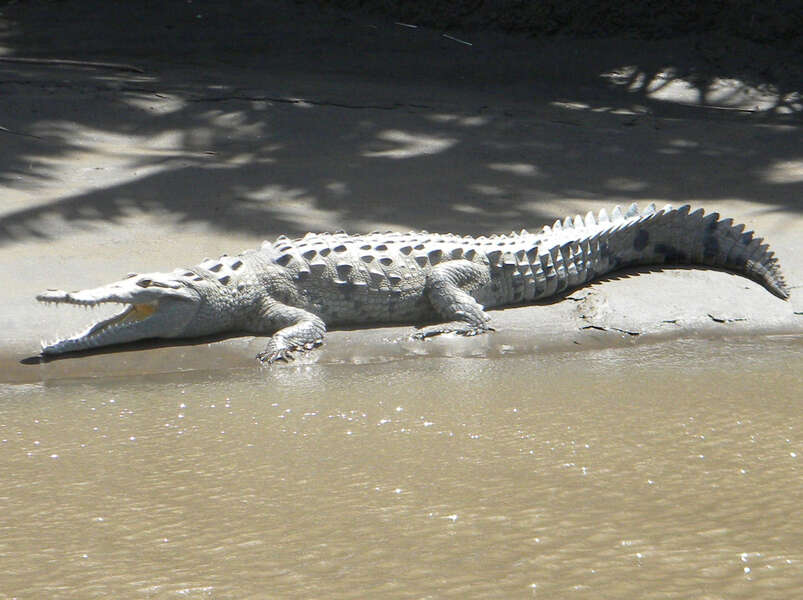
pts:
[654, 472]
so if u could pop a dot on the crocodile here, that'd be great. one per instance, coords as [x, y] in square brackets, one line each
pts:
[292, 289]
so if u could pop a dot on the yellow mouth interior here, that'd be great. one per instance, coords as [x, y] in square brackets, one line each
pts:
[138, 312]
[133, 314]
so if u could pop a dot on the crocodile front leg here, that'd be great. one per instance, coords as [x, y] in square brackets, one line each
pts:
[446, 288]
[297, 329]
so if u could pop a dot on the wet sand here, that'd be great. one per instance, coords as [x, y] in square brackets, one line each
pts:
[209, 147]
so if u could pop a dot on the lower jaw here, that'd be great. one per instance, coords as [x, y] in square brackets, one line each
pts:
[97, 335]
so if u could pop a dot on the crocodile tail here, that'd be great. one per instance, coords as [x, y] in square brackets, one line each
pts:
[679, 236]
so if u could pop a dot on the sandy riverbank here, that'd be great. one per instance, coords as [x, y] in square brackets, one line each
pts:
[232, 128]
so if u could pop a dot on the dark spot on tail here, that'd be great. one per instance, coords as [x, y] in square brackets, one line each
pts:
[672, 254]
[641, 240]
[710, 247]
[712, 226]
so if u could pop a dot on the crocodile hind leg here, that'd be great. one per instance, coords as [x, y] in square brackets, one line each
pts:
[297, 330]
[447, 287]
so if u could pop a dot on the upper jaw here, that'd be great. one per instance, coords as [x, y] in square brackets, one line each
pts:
[122, 292]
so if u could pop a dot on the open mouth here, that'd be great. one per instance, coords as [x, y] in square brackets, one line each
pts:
[133, 313]
[106, 331]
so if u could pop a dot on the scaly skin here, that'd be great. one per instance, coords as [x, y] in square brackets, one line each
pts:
[292, 289]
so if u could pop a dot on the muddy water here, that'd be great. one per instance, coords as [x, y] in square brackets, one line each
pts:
[671, 471]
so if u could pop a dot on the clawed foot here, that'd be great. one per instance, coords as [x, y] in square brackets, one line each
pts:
[272, 354]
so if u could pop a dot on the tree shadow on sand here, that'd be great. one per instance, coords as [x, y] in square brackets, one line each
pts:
[327, 132]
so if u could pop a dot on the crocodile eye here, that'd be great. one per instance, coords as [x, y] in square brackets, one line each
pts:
[151, 283]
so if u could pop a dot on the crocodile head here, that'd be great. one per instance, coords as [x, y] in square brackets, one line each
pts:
[155, 305]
